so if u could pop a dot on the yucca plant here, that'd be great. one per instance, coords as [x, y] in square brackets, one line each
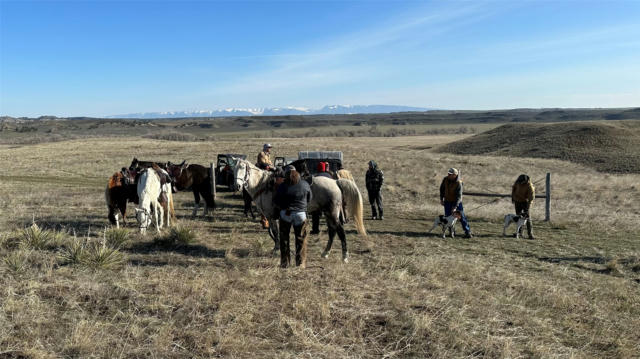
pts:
[99, 255]
[116, 237]
[74, 251]
[36, 238]
[177, 237]
[17, 261]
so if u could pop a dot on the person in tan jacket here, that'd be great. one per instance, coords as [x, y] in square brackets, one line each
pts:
[264, 158]
[522, 194]
[451, 198]
[264, 162]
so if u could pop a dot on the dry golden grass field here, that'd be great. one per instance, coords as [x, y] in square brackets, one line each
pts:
[75, 288]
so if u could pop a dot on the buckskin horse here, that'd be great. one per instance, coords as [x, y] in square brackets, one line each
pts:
[196, 178]
[332, 197]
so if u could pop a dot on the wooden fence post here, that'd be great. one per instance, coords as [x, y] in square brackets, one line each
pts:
[547, 203]
[213, 181]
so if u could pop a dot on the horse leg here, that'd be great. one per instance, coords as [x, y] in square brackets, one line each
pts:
[285, 252]
[196, 198]
[301, 244]
[332, 233]
[123, 210]
[209, 201]
[113, 216]
[275, 235]
[158, 213]
[343, 241]
[205, 212]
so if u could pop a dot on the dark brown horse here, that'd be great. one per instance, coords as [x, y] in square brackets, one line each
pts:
[196, 178]
[248, 203]
[137, 165]
[120, 190]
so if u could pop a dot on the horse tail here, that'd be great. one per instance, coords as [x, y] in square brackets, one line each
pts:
[110, 204]
[171, 208]
[345, 174]
[351, 195]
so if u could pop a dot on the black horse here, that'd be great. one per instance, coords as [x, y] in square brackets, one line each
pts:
[196, 178]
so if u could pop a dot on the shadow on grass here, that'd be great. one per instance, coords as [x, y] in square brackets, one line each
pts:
[630, 263]
[80, 225]
[591, 259]
[398, 233]
[193, 250]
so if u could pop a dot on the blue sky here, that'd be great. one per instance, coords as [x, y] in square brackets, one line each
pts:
[99, 58]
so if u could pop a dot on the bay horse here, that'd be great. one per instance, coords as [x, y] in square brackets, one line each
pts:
[121, 189]
[329, 196]
[149, 190]
[197, 178]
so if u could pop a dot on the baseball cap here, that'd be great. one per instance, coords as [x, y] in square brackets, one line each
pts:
[452, 171]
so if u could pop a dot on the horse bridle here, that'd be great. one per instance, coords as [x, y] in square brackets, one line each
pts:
[247, 171]
[148, 214]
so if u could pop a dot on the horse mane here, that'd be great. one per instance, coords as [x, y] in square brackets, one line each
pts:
[265, 181]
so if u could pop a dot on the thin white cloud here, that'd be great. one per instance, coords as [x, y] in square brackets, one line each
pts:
[331, 62]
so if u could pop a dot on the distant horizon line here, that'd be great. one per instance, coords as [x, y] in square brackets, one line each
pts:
[230, 114]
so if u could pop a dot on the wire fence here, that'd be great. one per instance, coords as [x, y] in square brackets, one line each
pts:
[546, 195]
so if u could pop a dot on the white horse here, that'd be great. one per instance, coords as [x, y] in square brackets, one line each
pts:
[337, 199]
[148, 192]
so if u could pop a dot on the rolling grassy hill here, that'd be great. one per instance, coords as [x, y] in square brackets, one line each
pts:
[612, 146]
[50, 129]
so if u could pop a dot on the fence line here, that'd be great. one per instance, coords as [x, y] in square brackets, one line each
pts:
[546, 196]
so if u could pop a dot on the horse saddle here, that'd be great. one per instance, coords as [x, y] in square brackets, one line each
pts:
[163, 175]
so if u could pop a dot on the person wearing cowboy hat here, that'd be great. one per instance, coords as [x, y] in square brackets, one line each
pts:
[264, 158]
[451, 198]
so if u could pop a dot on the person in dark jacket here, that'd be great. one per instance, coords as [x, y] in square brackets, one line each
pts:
[522, 195]
[451, 198]
[292, 198]
[374, 179]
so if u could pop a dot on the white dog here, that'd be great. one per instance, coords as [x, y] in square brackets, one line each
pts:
[447, 222]
[520, 221]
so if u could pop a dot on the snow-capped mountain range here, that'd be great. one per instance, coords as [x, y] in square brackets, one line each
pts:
[277, 111]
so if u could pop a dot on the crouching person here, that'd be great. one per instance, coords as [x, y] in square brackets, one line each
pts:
[292, 198]
[522, 195]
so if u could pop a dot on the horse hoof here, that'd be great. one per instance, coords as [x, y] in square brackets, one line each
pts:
[345, 260]
[325, 254]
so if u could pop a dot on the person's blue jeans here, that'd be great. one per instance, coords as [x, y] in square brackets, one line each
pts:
[448, 209]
